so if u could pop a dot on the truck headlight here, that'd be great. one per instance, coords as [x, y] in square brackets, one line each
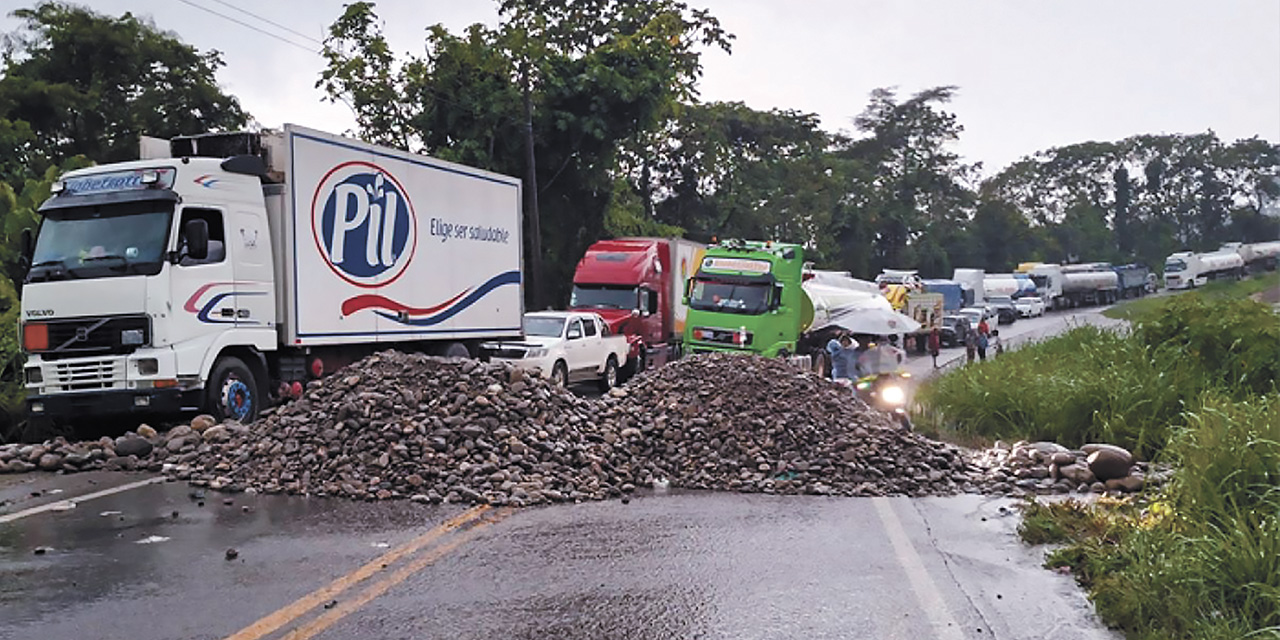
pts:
[34, 375]
[893, 395]
[131, 337]
[148, 366]
[539, 352]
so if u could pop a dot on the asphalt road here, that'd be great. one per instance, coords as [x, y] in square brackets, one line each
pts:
[151, 561]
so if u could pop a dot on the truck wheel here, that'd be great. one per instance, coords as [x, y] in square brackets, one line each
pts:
[560, 374]
[233, 392]
[610, 378]
[455, 350]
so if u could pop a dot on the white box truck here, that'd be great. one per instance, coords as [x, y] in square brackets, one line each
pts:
[236, 267]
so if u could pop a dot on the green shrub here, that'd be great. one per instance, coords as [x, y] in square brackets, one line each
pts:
[1092, 384]
[1203, 559]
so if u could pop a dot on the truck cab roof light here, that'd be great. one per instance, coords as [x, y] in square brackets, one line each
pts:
[58, 187]
[150, 177]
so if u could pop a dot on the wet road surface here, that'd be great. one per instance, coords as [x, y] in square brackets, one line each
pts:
[150, 562]
[667, 565]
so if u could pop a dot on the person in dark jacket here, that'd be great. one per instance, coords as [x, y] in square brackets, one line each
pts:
[935, 345]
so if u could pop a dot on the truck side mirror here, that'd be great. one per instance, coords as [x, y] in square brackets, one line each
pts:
[651, 302]
[197, 235]
[688, 284]
[776, 302]
[28, 248]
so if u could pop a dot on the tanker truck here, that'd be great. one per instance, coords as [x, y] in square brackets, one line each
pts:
[1065, 286]
[1187, 270]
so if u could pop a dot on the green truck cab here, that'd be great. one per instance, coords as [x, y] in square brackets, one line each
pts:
[746, 297]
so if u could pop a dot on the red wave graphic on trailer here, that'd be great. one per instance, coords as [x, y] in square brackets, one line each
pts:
[370, 301]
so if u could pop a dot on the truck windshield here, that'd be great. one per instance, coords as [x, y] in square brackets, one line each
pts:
[603, 296]
[544, 327]
[101, 242]
[747, 299]
[1173, 266]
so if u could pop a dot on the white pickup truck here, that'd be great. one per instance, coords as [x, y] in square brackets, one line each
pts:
[567, 346]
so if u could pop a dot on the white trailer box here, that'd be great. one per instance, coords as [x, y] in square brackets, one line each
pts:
[389, 246]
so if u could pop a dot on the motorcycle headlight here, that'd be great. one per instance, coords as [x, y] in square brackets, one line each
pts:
[893, 395]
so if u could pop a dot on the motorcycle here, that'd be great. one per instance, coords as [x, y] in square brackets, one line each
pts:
[886, 392]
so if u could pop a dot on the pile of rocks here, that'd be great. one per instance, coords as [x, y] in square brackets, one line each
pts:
[1047, 467]
[739, 423]
[410, 426]
[144, 449]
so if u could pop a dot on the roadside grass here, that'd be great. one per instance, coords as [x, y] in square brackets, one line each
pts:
[1132, 310]
[1193, 382]
[1200, 559]
[1101, 385]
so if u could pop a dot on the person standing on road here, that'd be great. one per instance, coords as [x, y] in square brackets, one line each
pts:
[844, 357]
[970, 349]
[983, 328]
[982, 346]
[935, 345]
[997, 343]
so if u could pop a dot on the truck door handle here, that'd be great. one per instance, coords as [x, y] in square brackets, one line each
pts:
[227, 312]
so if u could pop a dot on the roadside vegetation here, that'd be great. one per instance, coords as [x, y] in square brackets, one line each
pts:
[1193, 383]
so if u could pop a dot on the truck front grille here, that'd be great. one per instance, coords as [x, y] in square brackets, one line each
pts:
[79, 337]
[86, 375]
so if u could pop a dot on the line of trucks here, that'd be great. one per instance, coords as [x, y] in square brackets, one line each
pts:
[222, 272]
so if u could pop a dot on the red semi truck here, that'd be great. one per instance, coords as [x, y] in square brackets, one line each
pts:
[637, 286]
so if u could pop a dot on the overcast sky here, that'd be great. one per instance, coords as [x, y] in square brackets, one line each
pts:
[1032, 75]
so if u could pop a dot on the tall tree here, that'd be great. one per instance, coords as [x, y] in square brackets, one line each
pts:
[586, 75]
[1123, 198]
[88, 84]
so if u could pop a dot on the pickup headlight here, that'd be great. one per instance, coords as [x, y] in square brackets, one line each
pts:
[538, 352]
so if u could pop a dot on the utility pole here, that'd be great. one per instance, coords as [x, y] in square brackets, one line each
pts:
[533, 261]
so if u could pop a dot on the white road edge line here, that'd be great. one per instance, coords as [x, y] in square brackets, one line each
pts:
[78, 499]
[944, 626]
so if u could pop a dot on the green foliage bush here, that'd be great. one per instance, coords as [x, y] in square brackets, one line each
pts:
[1195, 382]
[1091, 384]
[1202, 559]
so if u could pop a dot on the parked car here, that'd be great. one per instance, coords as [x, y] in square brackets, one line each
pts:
[566, 346]
[955, 330]
[975, 316]
[1029, 306]
[1003, 309]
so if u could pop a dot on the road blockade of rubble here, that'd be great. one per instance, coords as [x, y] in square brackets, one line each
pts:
[408, 426]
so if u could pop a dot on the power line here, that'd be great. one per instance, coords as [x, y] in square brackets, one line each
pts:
[270, 22]
[250, 26]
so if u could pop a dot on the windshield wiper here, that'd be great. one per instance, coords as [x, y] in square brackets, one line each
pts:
[109, 256]
[46, 263]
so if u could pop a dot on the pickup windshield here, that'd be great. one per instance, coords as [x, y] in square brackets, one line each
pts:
[603, 296]
[746, 299]
[101, 242]
[544, 327]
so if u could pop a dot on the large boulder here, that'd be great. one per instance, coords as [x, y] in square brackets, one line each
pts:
[132, 445]
[1108, 463]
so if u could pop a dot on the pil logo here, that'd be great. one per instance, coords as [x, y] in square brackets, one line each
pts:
[364, 224]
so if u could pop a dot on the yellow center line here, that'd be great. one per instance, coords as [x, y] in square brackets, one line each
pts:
[380, 587]
[301, 606]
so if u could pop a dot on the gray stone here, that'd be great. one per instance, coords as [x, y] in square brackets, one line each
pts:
[217, 433]
[1107, 463]
[132, 446]
[50, 462]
